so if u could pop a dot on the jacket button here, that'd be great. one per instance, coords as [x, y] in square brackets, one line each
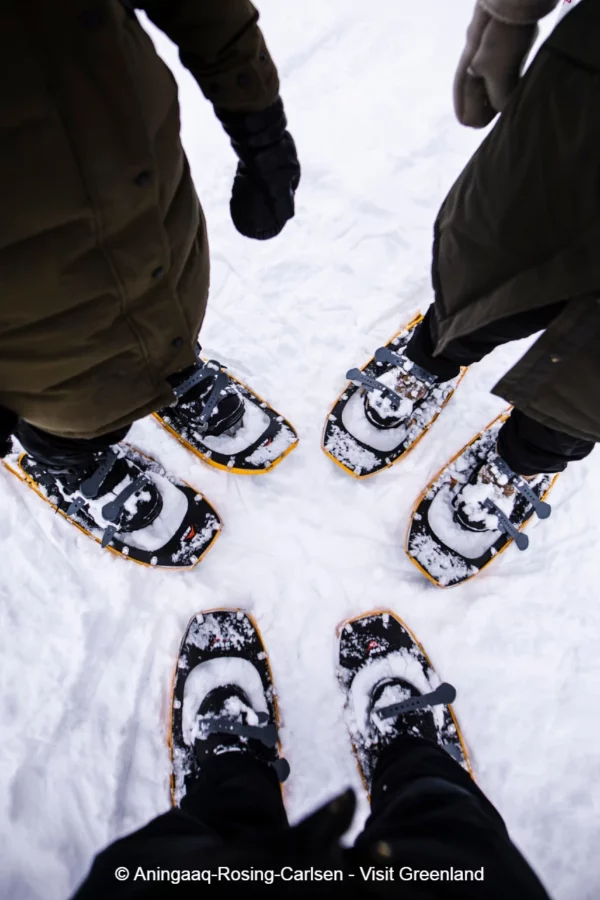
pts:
[262, 56]
[143, 178]
[158, 272]
[556, 359]
[243, 80]
[177, 342]
[92, 18]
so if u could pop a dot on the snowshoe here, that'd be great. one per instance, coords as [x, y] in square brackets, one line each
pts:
[472, 510]
[224, 423]
[223, 698]
[392, 690]
[127, 503]
[386, 409]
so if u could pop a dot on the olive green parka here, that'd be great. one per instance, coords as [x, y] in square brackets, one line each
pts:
[104, 265]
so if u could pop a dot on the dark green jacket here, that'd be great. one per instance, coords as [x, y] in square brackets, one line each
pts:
[520, 229]
[104, 264]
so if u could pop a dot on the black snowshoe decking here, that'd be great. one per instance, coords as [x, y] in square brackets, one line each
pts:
[211, 635]
[446, 566]
[269, 440]
[354, 455]
[382, 636]
[188, 545]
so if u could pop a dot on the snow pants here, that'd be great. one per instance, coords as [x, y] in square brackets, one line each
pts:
[431, 835]
[525, 444]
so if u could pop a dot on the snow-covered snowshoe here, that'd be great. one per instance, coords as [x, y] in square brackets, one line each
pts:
[223, 698]
[385, 410]
[126, 502]
[225, 423]
[392, 690]
[472, 510]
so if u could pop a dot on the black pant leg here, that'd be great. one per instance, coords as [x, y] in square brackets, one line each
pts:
[473, 347]
[428, 814]
[237, 795]
[530, 447]
[53, 450]
[234, 815]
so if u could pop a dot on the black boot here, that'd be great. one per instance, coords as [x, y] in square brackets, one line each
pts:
[109, 491]
[208, 401]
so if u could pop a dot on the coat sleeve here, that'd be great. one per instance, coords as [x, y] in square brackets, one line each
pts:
[518, 12]
[221, 44]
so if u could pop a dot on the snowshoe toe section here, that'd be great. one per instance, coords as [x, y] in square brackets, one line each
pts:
[438, 541]
[258, 440]
[378, 653]
[371, 426]
[177, 535]
[222, 650]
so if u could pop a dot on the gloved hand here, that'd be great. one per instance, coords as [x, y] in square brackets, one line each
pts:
[8, 423]
[268, 173]
[493, 59]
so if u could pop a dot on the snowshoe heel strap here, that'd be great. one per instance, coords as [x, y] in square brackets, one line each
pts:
[542, 508]
[91, 487]
[384, 354]
[371, 384]
[441, 696]
[506, 526]
[282, 769]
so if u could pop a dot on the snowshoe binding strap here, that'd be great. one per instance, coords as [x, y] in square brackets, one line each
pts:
[211, 369]
[371, 384]
[506, 526]
[542, 508]
[201, 373]
[112, 510]
[266, 734]
[91, 487]
[384, 354]
[108, 535]
[77, 505]
[442, 696]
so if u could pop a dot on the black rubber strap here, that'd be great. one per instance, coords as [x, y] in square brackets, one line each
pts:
[442, 695]
[91, 487]
[266, 734]
[371, 384]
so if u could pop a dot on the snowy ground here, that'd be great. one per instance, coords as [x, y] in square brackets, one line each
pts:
[87, 642]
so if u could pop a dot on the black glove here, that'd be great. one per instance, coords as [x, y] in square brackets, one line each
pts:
[8, 423]
[268, 174]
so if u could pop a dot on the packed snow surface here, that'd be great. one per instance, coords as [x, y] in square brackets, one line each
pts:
[88, 641]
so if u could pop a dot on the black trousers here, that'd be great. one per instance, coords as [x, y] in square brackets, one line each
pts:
[59, 452]
[526, 445]
[427, 816]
